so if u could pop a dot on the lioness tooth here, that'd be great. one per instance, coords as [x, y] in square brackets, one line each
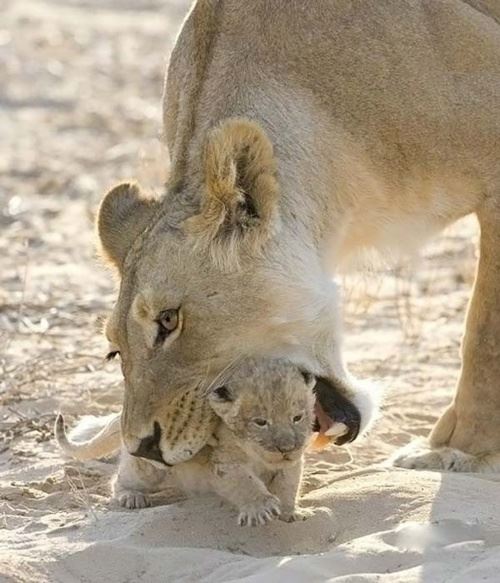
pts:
[337, 429]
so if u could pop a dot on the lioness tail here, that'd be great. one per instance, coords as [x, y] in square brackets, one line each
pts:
[105, 442]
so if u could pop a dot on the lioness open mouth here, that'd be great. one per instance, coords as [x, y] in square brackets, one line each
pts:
[336, 415]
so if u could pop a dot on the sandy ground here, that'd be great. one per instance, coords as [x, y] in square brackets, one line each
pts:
[80, 109]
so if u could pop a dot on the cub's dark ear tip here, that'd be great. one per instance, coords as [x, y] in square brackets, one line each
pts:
[222, 394]
[308, 377]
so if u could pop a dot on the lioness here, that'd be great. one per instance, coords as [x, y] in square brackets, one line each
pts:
[300, 133]
[255, 456]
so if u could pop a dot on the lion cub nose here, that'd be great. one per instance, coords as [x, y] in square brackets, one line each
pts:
[286, 448]
[149, 447]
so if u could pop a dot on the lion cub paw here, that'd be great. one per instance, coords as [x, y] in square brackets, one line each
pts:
[260, 512]
[297, 514]
[132, 500]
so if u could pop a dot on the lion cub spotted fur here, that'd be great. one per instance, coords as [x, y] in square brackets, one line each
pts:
[254, 459]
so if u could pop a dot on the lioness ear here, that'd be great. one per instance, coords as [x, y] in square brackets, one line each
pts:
[240, 198]
[124, 213]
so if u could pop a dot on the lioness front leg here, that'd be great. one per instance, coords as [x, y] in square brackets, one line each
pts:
[285, 485]
[135, 479]
[467, 435]
[240, 487]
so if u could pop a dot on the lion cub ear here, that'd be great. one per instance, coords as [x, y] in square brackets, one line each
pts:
[123, 213]
[222, 400]
[240, 199]
[309, 379]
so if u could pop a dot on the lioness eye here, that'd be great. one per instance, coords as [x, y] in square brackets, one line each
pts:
[167, 321]
[260, 422]
[298, 418]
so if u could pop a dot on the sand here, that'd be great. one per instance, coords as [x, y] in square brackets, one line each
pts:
[79, 110]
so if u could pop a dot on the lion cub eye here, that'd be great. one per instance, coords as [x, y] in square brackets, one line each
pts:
[168, 321]
[259, 421]
[298, 418]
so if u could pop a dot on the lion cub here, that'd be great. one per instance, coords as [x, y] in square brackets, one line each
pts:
[254, 460]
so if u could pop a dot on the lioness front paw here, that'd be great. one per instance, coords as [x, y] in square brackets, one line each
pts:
[260, 512]
[133, 500]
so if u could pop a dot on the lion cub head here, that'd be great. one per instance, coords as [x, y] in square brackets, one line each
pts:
[268, 407]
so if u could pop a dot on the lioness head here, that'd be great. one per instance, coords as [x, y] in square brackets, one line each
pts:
[195, 289]
[268, 406]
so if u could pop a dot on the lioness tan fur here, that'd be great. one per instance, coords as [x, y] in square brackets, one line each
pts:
[301, 133]
[255, 455]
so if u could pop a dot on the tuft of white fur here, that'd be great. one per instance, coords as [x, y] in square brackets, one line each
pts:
[367, 396]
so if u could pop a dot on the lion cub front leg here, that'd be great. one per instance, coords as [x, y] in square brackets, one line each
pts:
[135, 479]
[241, 487]
[285, 485]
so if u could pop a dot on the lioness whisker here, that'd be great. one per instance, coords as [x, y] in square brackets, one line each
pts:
[223, 375]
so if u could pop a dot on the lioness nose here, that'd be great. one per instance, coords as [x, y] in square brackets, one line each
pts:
[149, 447]
[286, 448]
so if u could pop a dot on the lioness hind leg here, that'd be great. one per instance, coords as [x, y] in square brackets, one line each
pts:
[471, 425]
